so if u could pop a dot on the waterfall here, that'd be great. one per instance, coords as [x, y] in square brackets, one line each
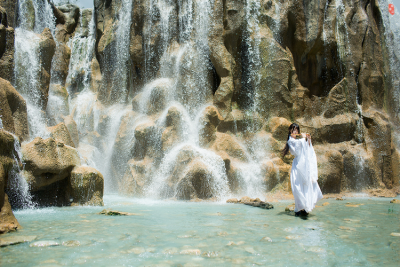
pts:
[116, 58]
[391, 25]
[33, 17]
[17, 188]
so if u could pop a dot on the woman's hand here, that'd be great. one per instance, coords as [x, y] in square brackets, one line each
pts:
[308, 138]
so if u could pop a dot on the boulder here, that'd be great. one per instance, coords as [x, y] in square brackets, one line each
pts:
[13, 113]
[72, 129]
[222, 61]
[47, 47]
[8, 222]
[225, 142]
[6, 43]
[241, 121]
[279, 127]
[338, 129]
[48, 161]
[147, 141]
[330, 169]
[61, 134]
[134, 180]
[209, 121]
[60, 64]
[195, 183]
[71, 14]
[87, 186]
[58, 100]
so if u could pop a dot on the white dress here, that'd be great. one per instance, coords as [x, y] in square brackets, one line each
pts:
[304, 175]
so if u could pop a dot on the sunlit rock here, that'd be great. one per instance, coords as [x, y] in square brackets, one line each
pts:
[61, 134]
[87, 186]
[13, 113]
[210, 120]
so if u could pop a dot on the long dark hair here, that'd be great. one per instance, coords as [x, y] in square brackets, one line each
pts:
[291, 128]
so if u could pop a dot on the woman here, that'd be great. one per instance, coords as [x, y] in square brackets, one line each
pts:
[304, 174]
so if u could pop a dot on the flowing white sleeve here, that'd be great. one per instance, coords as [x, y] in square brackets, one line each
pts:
[295, 146]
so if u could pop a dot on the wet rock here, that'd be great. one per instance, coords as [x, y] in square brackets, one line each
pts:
[71, 243]
[47, 47]
[13, 240]
[7, 37]
[325, 204]
[266, 239]
[232, 200]
[330, 169]
[210, 120]
[290, 208]
[13, 111]
[48, 161]
[225, 142]
[72, 129]
[190, 252]
[71, 13]
[239, 121]
[60, 63]
[173, 133]
[210, 254]
[395, 234]
[395, 201]
[134, 179]
[87, 186]
[147, 141]
[339, 198]
[61, 134]
[44, 243]
[340, 128]
[59, 107]
[115, 213]
[222, 61]
[279, 128]
[170, 251]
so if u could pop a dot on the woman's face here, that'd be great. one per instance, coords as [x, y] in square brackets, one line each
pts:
[295, 131]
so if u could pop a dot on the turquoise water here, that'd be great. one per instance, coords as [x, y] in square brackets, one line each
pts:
[166, 233]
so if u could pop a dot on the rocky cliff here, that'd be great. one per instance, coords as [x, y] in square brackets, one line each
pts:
[192, 99]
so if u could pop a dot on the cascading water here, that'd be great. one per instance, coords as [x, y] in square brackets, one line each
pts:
[391, 25]
[116, 74]
[33, 17]
[17, 187]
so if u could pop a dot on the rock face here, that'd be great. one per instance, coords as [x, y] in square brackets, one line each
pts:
[198, 98]
[7, 220]
[7, 40]
[55, 176]
[87, 186]
[13, 112]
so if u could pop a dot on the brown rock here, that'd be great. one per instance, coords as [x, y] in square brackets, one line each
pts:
[395, 201]
[87, 186]
[239, 121]
[60, 64]
[134, 180]
[72, 129]
[225, 142]
[279, 127]
[232, 200]
[8, 222]
[13, 112]
[48, 161]
[61, 134]
[6, 46]
[330, 169]
[209, 122]
[147, 140]
[59, 96]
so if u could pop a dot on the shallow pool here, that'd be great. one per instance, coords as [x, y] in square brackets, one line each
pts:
[353, 232]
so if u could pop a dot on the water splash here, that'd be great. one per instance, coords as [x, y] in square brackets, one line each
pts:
[18, 189]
